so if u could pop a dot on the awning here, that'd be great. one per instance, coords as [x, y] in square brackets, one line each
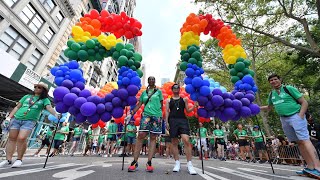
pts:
[11, 89]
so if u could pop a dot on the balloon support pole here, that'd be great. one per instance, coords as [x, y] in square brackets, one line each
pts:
[201, 155]
[55, 131]
[264, 144]
[124, 144]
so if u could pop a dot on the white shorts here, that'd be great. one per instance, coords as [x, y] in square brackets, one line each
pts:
[203, 143]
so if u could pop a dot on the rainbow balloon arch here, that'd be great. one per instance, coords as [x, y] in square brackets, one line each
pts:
[89, 43]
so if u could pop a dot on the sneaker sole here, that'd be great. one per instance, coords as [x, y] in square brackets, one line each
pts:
[313, 175]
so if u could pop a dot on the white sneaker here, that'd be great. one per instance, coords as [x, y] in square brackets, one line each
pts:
[37, 155]
[17, 164]
[110, 155]
[191, 169]
[5, 163]
[176, 167]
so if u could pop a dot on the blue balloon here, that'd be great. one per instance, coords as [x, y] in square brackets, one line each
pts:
[58, 81]
[135, 81]
[197, 82]
[125, 81]
[205, 83]
[190, 89]
[73, 64]
[54, 70]
[76, 74]
[194, 96]
[204, 90]
[64, 68]
[189, 72]
[188, 80]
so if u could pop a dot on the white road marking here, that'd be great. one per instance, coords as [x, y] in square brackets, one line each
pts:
[106, 165]
[267, 167]
[35, 170]
[238, 173]
[72, 174]
[207, 175]
[263, 172]
[26, 165]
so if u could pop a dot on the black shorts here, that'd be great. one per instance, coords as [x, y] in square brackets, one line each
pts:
[113, 138]
[57, 143]
[259, 146]
[167, 139]
[178, 127]
[76, 139]
[243, 142]
[123, 143]
[46, 141]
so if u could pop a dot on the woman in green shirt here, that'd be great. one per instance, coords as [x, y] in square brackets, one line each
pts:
[241, 136]
[259, 143]
[23, 119]
[219, 138]
[77, 132]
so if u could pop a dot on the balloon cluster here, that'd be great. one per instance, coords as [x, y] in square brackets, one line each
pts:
[70, 71]
[107, 89]
[214, 100]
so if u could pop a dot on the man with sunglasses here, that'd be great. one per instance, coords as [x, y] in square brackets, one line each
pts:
[178, 125]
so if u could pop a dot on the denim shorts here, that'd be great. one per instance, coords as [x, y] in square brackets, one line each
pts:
[131, 140]
[76, 139]
[295, 127]
[22, 124]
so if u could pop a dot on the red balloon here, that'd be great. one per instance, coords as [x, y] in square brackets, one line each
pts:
[123, 14]
[94, 14]
[137, 24]
[128, 35]
[104, 13]
[137, 122]
[95, 125]
[109, 20]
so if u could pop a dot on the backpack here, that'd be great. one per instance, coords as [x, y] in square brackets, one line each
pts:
[286, 90]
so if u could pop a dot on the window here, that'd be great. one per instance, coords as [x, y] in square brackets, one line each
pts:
[60, 17]
[31, 18]
[13, 43]
[48, 35]
[48, 4]
[34, 59]
[10, 3]
[62, 59]
[88, 7]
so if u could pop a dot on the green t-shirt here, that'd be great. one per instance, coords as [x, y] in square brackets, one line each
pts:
[112, 128]
[162, 139]
[193, 141]
[101, 138]
[60, 136]
[283, 103]
[49, 133]
[131, 128]
[240, 133]
[89, 135]
[35, 110]
[219, 133]
[153, 108]
[211, 141]
[145, 141]
[203, 132]
[77, 132]
[258, 136]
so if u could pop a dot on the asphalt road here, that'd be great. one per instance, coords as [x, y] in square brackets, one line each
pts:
[96, 168]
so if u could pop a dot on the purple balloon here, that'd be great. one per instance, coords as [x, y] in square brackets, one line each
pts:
[225, 95]
[217, 91]
[115, 92]
[223, 118]
[93, 119]
[255, 109]
[73, 110]
[210, 96]
[236, 104]
[229, 112]
[250, 97]
[231, 96]
[85, 93]
[250, 92]
[202, 100]
[217, 100]
[117, 112]
[101, 108]
[132, 100]
[60, 92]
[123, 94]
[239, 95]
[116, 102]
[234, 92]
[218, 113]
[80, 118]
[69, 99]
[109, 106]
[79, 101]
[61, 107]
[106, 116]
[245, 102]
[236, 117]
[211, 113]
[124, 104]
[202, 112]
[79, 85]
[75, 90]
[88, 109]
[67, 83]
[95, 99]
[132, 90]
[245, 112]
[228, 102]
[109, 97]
[209, 106]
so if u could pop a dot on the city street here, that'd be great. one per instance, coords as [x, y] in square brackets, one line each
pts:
[68, 168]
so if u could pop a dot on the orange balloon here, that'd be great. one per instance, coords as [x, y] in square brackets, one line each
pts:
[95, 23]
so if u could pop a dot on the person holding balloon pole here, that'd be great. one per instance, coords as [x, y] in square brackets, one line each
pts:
[151, 121]
[178, 125]
[23, 119]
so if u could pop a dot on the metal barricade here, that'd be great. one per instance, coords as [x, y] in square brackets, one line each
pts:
[3, 143]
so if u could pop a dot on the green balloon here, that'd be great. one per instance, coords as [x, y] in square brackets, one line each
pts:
[119, 65]
[199, 63]
[83, 55]
[92, 58]
[99, 57]
[234, 79]
[185, 57]
[75, 47]
[247, 63]
[119, 46]
[95, 39]
[91, 52]
[183, 66]
[133, 68]
[192, 49]
[137, 57]
[182, 52]
[140, 73]
[90, 43]
[137, 64]
[129, 46]
[192, 61]
[239, 66]
[240, 60]
[130, 62]
[112, 50]
[251, 72]
[108, 53]
[245, 71]
[66, 52]
[129, 54]
[196, 55]
[198, 47]
[233, 72]
[84, 47]
[81, 43]
[102, 51]
[72, 55]
[70, 42]
[240, 75]
[123, 52]
[115, 55]
[123, 60]
[230, 66]
[132, 50]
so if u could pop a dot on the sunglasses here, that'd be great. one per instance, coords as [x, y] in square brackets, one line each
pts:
[37, 87]
[176, 87]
